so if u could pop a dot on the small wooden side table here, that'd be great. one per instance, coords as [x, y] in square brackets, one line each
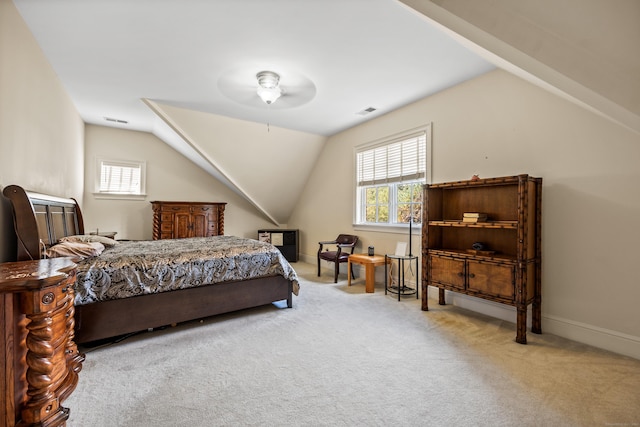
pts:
[370, 263]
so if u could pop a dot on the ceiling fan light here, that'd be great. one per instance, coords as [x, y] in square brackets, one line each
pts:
[268, 79]
[268, 89]
[269, 95]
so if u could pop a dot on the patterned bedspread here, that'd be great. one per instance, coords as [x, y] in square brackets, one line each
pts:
[143, 267]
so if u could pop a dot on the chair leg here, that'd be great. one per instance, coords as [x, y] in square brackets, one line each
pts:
[318, 265]
[335, 277]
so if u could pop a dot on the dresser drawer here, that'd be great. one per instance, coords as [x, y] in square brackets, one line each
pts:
[47, 299]
[175, 208]
[202, 209]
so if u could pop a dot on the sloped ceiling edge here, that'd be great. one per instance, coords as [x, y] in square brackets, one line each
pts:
[267, 166]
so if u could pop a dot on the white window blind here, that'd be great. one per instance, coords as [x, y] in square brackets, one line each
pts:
[121, 177]
[390, 175]
[396, 161]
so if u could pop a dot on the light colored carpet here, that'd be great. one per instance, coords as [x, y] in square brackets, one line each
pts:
[341, 357]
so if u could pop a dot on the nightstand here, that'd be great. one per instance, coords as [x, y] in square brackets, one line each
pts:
[109, 234]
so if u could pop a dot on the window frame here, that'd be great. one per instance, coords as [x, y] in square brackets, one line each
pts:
[359, 205]
[134, 164]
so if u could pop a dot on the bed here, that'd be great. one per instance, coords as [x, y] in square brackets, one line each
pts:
[132, 286]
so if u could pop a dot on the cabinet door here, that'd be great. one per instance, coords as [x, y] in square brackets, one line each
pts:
[200, 224]
[447, 271]
[492, 279]
[181, 225]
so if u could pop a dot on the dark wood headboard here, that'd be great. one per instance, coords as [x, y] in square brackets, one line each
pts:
[41, 220]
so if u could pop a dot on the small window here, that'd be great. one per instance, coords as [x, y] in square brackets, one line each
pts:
[120, 178]
[389, 178]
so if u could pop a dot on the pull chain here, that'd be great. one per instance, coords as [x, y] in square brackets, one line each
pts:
[268, 112]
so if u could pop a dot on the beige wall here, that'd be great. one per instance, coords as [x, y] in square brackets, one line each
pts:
[170, 176]
[499, 125]
[41, 133]
[494, 125]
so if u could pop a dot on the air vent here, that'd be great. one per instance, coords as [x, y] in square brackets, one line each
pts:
[366, 111]
[111, 119]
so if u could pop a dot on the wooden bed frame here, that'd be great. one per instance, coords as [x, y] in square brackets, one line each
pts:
[41, 220]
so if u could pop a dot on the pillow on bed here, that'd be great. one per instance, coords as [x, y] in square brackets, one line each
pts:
[89, 238]
[75, 250]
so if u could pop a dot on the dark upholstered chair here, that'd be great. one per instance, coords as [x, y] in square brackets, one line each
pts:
[345, 243]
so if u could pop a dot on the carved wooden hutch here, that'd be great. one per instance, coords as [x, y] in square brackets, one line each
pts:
[176, 220]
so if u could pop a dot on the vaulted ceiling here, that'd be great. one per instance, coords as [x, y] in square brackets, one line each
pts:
[582, 50]
[185, 70]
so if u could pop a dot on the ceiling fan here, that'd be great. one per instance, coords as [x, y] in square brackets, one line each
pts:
[257, 87]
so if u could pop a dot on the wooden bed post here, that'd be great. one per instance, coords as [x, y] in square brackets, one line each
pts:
[24, 219]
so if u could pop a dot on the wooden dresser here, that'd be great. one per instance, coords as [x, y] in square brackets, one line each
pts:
[177, 220]
[40, 361]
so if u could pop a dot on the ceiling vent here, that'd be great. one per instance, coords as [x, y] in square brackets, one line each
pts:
[111, 119]
[366, 111]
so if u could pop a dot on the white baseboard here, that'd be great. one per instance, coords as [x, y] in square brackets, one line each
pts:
[617, 342]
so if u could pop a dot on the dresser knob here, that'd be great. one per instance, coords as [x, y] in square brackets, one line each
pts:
[48, 298]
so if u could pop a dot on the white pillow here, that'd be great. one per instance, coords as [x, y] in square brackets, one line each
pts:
[76, 250]
[90, 238]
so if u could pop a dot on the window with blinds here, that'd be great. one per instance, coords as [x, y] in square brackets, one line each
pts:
[120, 178]
[389, 179]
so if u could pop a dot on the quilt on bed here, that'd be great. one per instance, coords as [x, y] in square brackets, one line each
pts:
[142, 267]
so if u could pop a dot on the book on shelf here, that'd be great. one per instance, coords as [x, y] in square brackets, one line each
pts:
[474, 217]
[474, 214]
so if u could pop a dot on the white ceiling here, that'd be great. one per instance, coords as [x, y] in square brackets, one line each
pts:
[335, 58]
